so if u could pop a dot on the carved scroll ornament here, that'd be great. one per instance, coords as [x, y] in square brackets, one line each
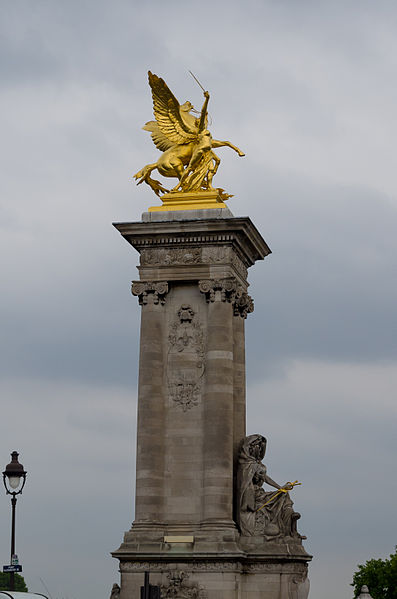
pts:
[157, 290]
[228, 290]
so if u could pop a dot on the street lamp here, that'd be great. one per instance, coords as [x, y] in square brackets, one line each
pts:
[14, 477]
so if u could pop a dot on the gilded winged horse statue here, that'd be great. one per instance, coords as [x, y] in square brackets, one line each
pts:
[185, 142]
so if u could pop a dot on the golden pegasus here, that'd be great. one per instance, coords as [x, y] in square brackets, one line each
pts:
[185, 143]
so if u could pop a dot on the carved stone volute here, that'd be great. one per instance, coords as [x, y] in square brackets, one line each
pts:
[157, 290]
[228, 290]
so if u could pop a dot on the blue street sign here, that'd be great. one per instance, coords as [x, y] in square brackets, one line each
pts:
[16, 568]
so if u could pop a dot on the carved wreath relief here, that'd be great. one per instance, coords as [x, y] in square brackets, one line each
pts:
[186, 362]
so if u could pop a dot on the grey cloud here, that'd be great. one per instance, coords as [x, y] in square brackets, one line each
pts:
[308, 91]
[327, 290]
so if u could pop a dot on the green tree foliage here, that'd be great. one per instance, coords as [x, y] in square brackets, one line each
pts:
[380, 576]
[20, 584]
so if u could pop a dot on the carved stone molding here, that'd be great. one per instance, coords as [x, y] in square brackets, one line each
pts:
[179, 587]
[199, 566]
[142, 566]
[238, 233]
[186, 358]
[158, 290]
[288, 568]
[216, 567]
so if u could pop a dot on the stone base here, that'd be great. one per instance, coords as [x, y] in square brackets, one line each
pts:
[186, 215]
[216, 564]
[221, 579]
[192, 200]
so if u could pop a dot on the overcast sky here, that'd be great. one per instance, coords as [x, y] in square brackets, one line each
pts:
[309, 91]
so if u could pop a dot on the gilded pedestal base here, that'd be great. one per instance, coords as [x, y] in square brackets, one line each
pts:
[192, 200]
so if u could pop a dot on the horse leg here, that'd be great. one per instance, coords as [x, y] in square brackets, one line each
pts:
[177, 165]
[144, 175]
[218, 144]
[145, 172]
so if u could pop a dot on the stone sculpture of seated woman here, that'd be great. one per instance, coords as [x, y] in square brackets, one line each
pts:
[277, 519]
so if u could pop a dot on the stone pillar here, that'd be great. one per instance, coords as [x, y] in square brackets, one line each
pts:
[239, 399]
[192, 290]
[219, 414]
[149, 495]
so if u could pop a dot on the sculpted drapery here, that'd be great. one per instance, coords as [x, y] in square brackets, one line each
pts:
[275, 520]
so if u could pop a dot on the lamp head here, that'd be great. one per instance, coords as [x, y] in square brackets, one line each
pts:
[14, 474]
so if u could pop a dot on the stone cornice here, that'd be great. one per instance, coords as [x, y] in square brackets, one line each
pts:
[239, 232]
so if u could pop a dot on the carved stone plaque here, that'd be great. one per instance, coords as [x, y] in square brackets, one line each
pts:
[185, 362]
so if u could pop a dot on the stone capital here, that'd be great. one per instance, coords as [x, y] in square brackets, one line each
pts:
[157, 289]
[227, 290]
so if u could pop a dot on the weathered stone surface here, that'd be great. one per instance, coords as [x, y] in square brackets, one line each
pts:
[192, 290]
[214, 579]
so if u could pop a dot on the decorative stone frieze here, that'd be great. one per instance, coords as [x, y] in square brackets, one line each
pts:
[168, 256]
[198, 566]
[237, 233]
[215, 254]
[287, 568]
[157, 289]
[216, 567]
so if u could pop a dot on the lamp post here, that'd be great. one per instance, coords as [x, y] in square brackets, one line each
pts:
[14, 477]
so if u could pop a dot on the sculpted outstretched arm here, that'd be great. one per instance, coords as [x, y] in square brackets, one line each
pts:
[203, 124]
[271, 482]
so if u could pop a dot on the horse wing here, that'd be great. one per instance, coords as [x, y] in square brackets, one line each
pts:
[161, 141]
[167, 114]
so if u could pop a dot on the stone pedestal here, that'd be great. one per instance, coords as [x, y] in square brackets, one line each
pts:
[192, 290]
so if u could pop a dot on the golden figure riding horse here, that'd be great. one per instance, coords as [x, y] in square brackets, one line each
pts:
[185, 141]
